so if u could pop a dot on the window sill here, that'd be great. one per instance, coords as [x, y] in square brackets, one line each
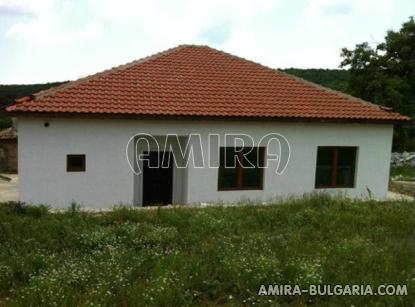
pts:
[335, 187]
[241, 189]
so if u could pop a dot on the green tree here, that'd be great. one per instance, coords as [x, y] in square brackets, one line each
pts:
[385, 75]
[336, 79]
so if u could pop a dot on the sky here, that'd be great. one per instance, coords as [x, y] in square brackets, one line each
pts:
[57, 40]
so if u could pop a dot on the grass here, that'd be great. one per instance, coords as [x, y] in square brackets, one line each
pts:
[205, 256]
[404, 173]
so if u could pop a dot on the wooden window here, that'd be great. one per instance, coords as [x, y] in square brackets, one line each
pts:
[241, 168]
[335, 167]
[75, 163]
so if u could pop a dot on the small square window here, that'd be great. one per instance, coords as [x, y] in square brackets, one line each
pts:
[75, 163]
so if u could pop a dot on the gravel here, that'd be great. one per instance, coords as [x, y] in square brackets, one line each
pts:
[403, 159]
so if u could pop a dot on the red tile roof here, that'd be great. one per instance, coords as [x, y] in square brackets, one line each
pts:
[200, 81]
[8, 134]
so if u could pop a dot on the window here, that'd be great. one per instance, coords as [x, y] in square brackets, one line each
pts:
[75, 163]
[240, 168]
[335, 167]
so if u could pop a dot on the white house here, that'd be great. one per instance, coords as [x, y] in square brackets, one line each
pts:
[85, 141]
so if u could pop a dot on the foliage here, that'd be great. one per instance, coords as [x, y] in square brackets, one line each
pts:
[5, 122]
[405, 173]
[207, 256]
[336, 79]
[385, 75]
[74, 208]
[9, 93]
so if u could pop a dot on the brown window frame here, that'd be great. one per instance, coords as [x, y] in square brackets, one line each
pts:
[333, 184]
[70, 168]
[240, 175]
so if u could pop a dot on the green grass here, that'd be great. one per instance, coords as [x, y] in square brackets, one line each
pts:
[206, 256]
[404, 173]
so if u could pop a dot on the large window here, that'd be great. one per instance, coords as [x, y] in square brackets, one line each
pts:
[335, 167]
[241, 168]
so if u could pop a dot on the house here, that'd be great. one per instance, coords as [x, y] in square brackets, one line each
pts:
[96, 140]
[8, 150]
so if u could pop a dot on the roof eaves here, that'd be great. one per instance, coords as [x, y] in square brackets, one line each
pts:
[112, 115]
[344, 95]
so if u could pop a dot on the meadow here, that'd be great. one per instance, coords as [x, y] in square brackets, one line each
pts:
[206, 256]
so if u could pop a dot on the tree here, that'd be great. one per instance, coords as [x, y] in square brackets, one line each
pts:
[336, 79]
[385, 75]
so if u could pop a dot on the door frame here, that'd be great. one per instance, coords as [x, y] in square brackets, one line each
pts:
[180, 189]
[171, 169]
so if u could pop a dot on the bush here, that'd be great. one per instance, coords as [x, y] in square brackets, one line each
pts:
[37, 211]
[74, 208]
[20, 208]
[13, 207]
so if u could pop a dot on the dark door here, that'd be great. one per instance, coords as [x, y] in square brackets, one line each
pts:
[157, 178]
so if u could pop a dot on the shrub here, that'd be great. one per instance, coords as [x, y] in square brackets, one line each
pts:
[13, 207]
[74, 208]
[37, 211]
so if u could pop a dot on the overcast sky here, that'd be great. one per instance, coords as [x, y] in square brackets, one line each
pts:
[55, 40]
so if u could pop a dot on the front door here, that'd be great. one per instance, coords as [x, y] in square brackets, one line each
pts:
[157, 178]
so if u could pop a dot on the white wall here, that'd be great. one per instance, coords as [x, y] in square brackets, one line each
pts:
[108, 179]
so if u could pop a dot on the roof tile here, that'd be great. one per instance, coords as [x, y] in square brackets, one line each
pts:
[200, 81]
[8, 134]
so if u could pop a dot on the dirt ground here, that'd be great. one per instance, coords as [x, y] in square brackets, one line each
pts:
[403, 187]
[8, 189]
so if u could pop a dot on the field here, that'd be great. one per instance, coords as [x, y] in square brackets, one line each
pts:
[206, 256]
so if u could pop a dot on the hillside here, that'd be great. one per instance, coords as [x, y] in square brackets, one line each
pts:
[8, 93]
[336, 79]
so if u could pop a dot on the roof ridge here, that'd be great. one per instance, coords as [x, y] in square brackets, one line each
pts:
[195, 92]
[316, 85]
[327, 89]
[51, 91]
